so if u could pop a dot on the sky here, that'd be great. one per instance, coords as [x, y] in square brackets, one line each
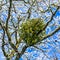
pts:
[35, 54]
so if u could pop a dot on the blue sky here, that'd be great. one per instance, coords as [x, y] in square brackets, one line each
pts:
[52, 49]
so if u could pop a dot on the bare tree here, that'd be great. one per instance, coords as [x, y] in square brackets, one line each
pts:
[10, 26]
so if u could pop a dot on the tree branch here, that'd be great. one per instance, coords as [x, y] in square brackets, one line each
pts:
[22, 52]
[3, 42]
[57, 29]
[8, 34]
[49, 21]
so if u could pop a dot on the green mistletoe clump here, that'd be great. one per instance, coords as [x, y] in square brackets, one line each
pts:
[29, 29]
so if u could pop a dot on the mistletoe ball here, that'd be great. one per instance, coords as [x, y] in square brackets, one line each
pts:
[29, 29]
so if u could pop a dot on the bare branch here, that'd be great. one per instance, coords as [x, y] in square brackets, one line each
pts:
[3, 42]
[57, 29]
[8, 34]
[49, 20]
[22, 52]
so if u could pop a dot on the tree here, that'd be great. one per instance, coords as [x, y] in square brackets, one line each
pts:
[14, 19]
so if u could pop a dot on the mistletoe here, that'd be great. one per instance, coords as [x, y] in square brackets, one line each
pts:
[29, 29]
